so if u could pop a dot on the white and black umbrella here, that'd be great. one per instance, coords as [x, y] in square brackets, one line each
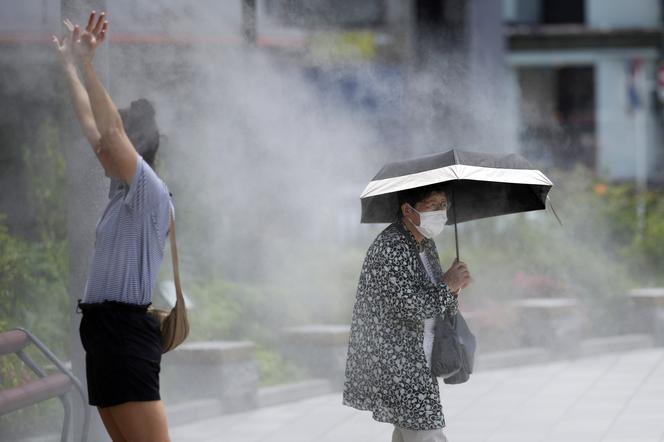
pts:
[482, 185]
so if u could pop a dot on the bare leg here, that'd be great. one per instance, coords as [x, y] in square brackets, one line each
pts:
[141, 421]
[111, 426]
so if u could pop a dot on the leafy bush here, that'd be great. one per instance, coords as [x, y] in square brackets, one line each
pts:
[642, 250]
[33, 284]
[274, 369]
[593, 256]
[258, 312]
[596, 256]
[34, 276]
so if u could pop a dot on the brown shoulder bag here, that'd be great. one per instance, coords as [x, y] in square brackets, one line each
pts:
[174, 324]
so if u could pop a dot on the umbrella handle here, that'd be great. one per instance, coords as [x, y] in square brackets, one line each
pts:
[456, 233]
[456, 240]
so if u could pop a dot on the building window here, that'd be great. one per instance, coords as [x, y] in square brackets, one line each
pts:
[544, 11]
[558, 115]
[327, 13]
[563, 11]
[440, 27]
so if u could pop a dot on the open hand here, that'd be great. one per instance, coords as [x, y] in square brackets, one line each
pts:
[65, 47]
[457, 276]
[85, 43]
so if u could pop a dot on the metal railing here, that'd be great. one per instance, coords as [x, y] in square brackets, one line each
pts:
[47, 386]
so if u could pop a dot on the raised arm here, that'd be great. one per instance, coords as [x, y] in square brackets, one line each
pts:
[77, 92]
[114, 142]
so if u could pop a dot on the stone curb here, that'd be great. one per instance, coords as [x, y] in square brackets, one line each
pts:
[283, 393]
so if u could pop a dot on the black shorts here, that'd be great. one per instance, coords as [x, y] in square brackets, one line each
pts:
[122, 353]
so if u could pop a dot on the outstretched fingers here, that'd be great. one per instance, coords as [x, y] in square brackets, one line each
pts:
[103, 32]
[72, 35]
[100, 23]
[91, 21]
[57, 44]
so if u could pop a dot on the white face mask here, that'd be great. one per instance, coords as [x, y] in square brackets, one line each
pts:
[431, 223]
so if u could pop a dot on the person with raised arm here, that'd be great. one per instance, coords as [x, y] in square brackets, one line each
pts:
[121, 341]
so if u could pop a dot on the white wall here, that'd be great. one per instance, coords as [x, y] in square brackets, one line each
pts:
[617, 135]
[622, 13]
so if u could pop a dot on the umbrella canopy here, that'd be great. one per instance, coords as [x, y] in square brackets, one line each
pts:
[484, 185]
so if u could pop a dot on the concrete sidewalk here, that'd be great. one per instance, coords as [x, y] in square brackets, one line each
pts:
[614, 397]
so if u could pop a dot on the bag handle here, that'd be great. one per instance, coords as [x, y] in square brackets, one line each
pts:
[174, 256]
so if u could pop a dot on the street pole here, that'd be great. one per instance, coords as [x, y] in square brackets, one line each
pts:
[85, 187]
[641, 148]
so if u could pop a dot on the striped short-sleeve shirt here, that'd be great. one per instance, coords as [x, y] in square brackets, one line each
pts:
[130, 240]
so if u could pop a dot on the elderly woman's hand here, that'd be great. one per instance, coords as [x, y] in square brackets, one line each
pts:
[457, 276]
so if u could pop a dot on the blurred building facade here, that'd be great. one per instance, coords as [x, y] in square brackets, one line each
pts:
[415, 71]
[379, 59]
[584, 74]
[412, 67]
[563, 81]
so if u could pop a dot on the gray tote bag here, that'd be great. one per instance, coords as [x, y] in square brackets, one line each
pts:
[453, 354]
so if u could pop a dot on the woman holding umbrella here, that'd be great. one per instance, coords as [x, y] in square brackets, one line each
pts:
[402, 287]
[401, 290]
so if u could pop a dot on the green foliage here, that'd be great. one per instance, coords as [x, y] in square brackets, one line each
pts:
[595, 256]
[233, 311]
[274, 369]
[313, 283]
[651, 242]
[258, 312]
[319, 281]
[642, 249]
[46, 169]
[224, 310]
[33, 285]
[34, 275]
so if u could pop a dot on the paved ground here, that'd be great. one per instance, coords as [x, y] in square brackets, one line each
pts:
[615, 397]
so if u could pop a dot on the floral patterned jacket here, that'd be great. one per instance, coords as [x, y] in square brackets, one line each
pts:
[386, 370]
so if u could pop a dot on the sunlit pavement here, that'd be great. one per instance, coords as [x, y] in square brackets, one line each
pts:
[613, 397]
